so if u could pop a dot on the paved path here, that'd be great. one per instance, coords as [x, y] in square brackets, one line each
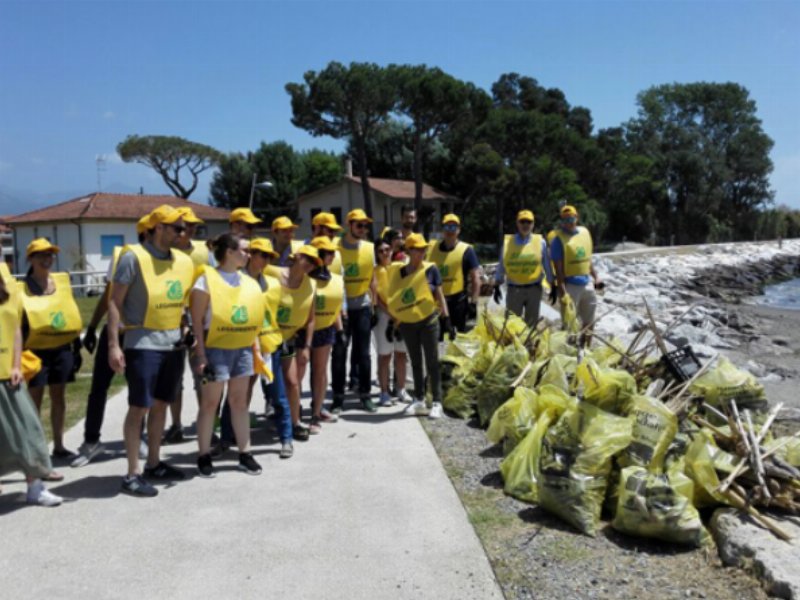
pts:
[364, 510]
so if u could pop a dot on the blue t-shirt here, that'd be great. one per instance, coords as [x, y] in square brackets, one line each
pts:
[557, 253]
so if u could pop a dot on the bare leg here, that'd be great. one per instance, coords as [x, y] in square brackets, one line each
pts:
[58, 409]
[210, 396]
[155, 429]
[400, 362]
[319, 384]
[175, 409]
[37, 394]
[240, 416]
[131, 430]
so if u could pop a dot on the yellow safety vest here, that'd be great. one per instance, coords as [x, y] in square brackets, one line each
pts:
[382, 282]
[328, 305]
[236, 312]
[54, 320]
[450, 265]
[295, 307]
[577, 252]
[410, 297]
[8, 278]
[359, 264]
[10, 314]
[270, 336]
[523, 264]
[198, 252]
[336, 265]
[168, 283]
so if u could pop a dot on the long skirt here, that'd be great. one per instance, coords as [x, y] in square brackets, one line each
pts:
[23, 446]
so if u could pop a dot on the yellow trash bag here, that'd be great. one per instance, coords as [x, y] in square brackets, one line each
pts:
[569, 316]
[606, 356]
[700, 469]
[260, 367]
[654, 427]
[554, 398]
[30, 365]
[575, 461]
[650, 505]
[559, 371]
[790, 452]
[554, 343]
[512, 421]
[519, 467]
[724, 382]
[461, 397]
[609, 389]
[495, 387]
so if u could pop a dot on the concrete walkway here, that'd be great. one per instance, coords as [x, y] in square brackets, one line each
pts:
[364, 510]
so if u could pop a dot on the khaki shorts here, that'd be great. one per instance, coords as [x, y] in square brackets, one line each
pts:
[585, 300]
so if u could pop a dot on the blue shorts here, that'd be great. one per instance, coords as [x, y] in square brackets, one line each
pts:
[230, 364]
[57, 365]
[153, 375]
[324, 337]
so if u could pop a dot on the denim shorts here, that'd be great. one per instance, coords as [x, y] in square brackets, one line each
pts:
[324, 337]
[153, 375]
[230, 364]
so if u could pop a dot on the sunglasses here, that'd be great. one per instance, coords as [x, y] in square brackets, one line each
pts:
[525, 222]
[361, 225]
[450, 227]
[177, 228]
[259, 253]
[323, 254]
[46, 254]
[568, 219]
[249, 226]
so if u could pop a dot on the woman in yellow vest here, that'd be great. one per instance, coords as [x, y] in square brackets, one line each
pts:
[227, 309]
[52, 327]
[328, 303]
[388, 339]
[296, 321]
[23, 446]
[415, 300]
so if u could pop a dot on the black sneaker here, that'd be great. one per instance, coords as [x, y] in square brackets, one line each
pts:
[368, 405]
[248, 464]
[174, 435]
[337, 406]
[205, 468]
[163, 471]
[300, 432]
[137, 486]
[219, 449]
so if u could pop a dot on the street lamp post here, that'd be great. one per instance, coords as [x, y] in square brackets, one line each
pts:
[264, 185]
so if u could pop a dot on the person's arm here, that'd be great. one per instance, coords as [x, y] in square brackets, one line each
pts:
[198, 305]
[116, 359]
[16, 361]
[312, 316]
[439, 295]
[100, 309]
[557, 256]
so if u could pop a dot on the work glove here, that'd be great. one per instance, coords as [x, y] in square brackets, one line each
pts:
[447, 324]
[373, 320]
[90, 340]
[553, 296]
[390, 333]
[498, 293]
[77, 358]
[472, 311]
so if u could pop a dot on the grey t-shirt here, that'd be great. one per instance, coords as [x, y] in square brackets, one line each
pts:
[135, 305]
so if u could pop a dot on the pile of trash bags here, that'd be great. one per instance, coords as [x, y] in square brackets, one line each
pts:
[581, 435]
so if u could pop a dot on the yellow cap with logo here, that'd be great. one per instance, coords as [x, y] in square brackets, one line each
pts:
[244, 215]
[283, 223]
[263, 245]
[41, 245]
[415, 240]
[525, 215]
[325, 219]
[164, 214]
[358, 214]
[451, 218]
[188, 215]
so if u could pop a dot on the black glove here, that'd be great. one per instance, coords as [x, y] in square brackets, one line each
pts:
[90, 340]
[472, 311]
[341, 338]
[447, 324]
[498, 293]
[390, 332]
[553, 297]
[373, 320]
[77, 361]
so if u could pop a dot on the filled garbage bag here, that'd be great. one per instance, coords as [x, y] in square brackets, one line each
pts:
[699, 467]
[607, 355]
[569, 315]
[724, 382]
[651, 505]
[514, 419]
[460, 397]
[559, 371]
[653, 428]
[519, 467]
[495, 387]
[606, 388]
[788, 451]
[575, 461]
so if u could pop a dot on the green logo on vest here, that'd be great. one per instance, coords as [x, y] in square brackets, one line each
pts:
[515, 255]
[174, 290]
[57, 320]
[239, 315]
[284, 314]
[267, 320]
[408, 296]
[351, 270]
[444, 270]
[580, 252]
[320, 303]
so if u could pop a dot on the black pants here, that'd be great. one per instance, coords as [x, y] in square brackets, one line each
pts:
[457, 307]
[98, 395]
[358, 332]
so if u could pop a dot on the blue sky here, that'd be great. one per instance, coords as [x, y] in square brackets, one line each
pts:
[77, 77]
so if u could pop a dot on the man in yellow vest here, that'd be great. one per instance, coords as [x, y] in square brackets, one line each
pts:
[358, 258]
[195, 249]
[524, 263]
[283, 240]
[408, 219]
[151, 284]
[571, 251]
[243, 222]
[458, 264]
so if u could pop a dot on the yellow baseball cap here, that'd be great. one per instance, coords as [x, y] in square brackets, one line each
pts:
[41, 245]
[188, 215]
[283, 223]
[263, 245]
[451, 218]
[323, 242]
[325, 219]
[243, 214]
[525, 215]
[568, 211]
[415, 240]
[143, 224]
[310, 252]
[358, 214]
[164, 214]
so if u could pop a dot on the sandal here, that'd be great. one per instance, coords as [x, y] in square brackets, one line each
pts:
[53, 476]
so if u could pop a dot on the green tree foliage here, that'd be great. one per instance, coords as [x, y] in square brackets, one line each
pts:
[707, 146]
[344, 102]
[171, 157]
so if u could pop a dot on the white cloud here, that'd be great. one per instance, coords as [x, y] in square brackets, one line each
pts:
[109, 114]
[785, 180]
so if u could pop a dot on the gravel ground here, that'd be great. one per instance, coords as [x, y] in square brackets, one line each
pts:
[535, 555]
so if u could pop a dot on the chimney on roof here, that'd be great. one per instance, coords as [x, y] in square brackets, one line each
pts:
[141, 190]
[348, 166]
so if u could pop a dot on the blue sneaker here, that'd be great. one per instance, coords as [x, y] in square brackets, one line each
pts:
[137, 486]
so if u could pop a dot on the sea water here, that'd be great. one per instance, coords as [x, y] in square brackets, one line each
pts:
[782, 295]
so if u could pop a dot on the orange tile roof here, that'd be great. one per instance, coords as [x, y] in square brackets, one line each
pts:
[107, 206]
[401, 188]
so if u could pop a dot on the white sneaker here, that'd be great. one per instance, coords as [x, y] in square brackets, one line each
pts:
[404, 396]
[436, 411]
[143, 450]
[38, 494]
[385, 400]
[86, 453]
[417, 408]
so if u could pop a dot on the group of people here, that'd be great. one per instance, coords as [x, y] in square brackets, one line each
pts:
[247, 312]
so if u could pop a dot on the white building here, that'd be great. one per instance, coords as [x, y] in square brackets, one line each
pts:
[87, 229]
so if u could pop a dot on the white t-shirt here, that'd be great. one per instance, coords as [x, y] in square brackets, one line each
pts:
[233, 279]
